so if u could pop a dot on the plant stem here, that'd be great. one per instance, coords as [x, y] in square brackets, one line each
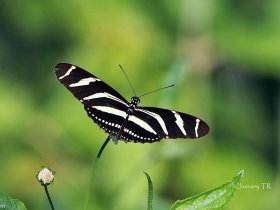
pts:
[94, 170]
[103, 146]
[49, 198]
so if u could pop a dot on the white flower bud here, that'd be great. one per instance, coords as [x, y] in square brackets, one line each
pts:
[45, 176]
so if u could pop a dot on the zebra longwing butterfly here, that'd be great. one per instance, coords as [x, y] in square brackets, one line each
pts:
[121, 119]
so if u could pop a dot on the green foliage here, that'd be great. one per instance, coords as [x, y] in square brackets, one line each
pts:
[6, 202]
[150, 192]
[212, 199]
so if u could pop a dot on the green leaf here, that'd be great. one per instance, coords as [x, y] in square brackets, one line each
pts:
[6, 202]
[150, 194]
[212, 199]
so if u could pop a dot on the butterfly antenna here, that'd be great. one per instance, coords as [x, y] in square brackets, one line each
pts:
[156, 90]
[127, 79]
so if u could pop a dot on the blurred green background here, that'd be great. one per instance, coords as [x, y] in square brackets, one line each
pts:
[222, 56]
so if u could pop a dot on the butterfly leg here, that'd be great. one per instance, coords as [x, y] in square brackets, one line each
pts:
[119, 134]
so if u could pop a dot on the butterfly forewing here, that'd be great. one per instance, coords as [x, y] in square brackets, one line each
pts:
[174, 124]
[82, 83]
[123, 120]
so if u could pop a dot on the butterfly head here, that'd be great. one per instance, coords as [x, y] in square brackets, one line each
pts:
[135, 101]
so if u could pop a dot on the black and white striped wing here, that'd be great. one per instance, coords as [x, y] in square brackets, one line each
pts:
[152, 124]
[99, 99]
[110, 110]
[83, 84]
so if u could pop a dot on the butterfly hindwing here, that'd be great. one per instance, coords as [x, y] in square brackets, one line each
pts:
[108, 113]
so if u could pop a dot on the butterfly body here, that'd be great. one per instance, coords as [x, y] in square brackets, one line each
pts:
[121, 119]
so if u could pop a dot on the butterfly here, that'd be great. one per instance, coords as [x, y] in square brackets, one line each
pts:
[125, 120]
